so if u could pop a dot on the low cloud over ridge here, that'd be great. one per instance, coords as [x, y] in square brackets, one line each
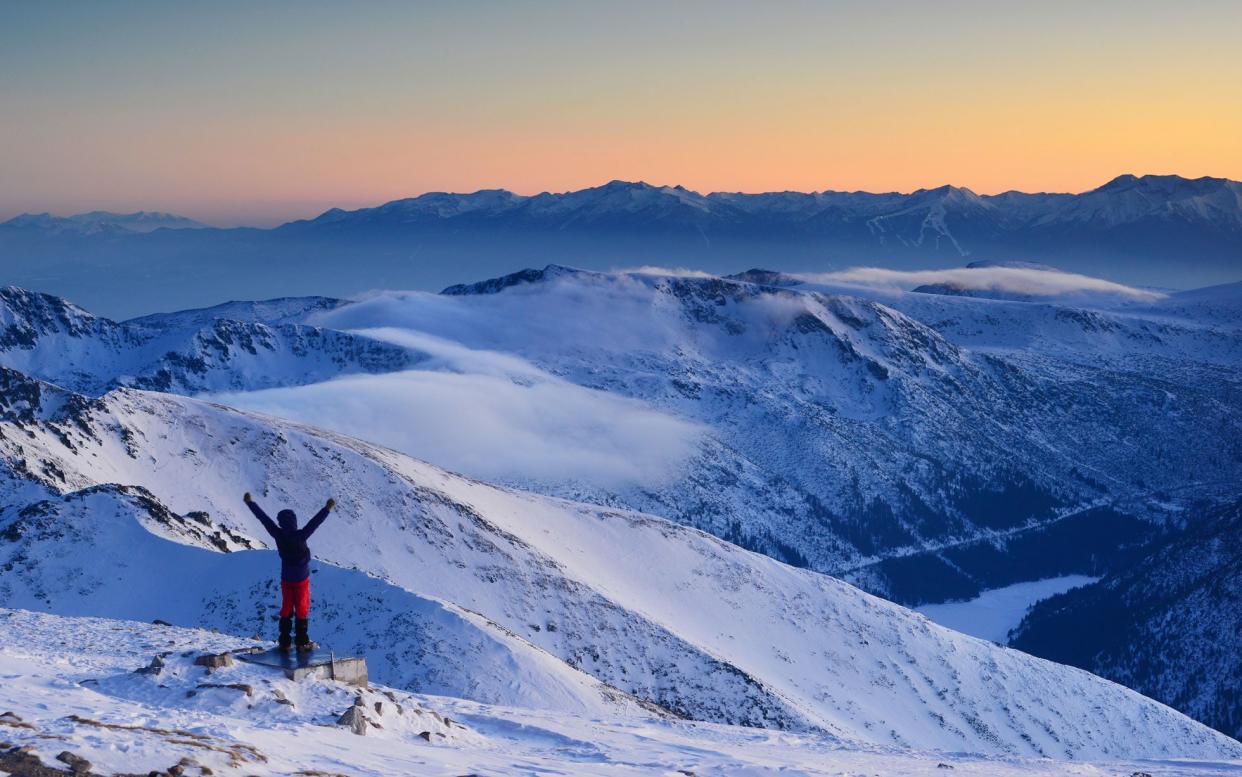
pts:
[490, 415]
[1023, 281]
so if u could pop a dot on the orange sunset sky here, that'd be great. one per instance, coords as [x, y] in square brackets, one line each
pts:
[257, 113]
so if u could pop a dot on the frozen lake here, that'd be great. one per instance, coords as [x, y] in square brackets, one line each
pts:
[993, 613]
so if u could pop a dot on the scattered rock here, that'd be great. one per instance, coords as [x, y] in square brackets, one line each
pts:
[159, 622]
[213, 662]
[379, 708]
[1141, 774]
[76, 763]
[155, 667]
[425, 735]
[23, 761]
[944, 766]
[13, 720]
[246, 689]
[355, 719]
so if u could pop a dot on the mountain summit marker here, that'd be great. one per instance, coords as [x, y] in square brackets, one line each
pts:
[320, 663]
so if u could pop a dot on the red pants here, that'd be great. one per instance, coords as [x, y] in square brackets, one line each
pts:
[295, 597]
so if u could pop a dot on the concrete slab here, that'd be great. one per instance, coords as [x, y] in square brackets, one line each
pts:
[321, 663]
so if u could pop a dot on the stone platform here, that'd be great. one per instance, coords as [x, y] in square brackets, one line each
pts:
[321, 663]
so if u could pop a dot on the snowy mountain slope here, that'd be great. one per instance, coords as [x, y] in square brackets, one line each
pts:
[927, 454]
[1184, 327]
[71, 685]
[273, 312]
[92, 704]
[1168, 627]
[473, 563]
[1219, 307]
[1128, 198]
[848, 433]
[99, 552]
[825, 430]
[743, 639]
[192, 351]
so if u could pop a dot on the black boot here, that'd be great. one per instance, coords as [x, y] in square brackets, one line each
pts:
[286, 626]
[303, 642]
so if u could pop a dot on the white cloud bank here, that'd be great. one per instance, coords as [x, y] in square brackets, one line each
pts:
[1023, 281]
[653, 269]
[616, 313]
[492, 416]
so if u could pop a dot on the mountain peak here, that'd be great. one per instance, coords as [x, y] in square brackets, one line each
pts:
[1162, 183]
[617, 184]
[521, 277]
[1123, 181]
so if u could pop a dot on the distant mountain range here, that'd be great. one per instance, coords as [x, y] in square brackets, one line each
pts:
[101, 222]
[1151, 230]
[908, 219]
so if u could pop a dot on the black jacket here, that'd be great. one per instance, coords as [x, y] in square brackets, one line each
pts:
[295, 555]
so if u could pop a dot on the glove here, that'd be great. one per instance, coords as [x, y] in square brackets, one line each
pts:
[331, 503]
[246, 498]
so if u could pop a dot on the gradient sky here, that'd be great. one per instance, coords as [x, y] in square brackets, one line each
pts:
[259, 112]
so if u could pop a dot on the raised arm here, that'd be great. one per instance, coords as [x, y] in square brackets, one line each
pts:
[319, 518]
[262, 516]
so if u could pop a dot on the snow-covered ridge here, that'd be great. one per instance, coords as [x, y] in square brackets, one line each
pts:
[230, 347]
[744, 639]
[113, 550]
[71, 687]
